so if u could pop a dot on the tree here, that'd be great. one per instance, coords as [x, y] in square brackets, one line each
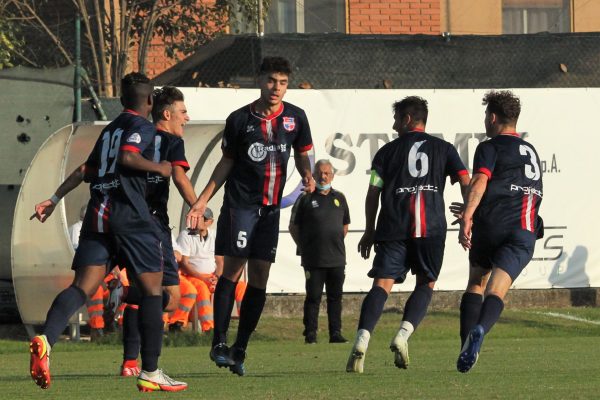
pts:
[10, 43]
[116, 30]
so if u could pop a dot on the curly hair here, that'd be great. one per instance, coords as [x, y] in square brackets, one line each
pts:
[414, 106]
[275, 64]
[163, 99]
[504, 104]
[135, 89]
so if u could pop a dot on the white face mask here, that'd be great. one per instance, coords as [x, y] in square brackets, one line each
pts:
[323, 187]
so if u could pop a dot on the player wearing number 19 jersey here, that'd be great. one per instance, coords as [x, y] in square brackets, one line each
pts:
[409, 174]
[500, 223]
[117, 228]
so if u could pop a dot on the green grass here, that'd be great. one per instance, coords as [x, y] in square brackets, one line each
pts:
[529, 354]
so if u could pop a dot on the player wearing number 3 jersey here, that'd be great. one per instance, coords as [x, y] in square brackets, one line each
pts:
[409, 174]
[500, 222]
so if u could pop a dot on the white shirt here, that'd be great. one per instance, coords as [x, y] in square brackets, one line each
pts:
[74, 231]
[201, 252]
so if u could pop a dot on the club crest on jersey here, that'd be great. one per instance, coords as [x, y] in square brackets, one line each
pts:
[289, 123]
[135, 138]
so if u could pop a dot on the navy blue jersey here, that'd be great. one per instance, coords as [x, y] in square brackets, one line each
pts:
[412, 170]
[118, 194]
[261, 148]
[514, 190]
[167, 147]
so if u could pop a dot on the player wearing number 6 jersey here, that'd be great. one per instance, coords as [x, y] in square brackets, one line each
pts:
[500, 222]
[409, 174]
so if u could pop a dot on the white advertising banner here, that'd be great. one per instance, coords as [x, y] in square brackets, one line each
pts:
[349, 126]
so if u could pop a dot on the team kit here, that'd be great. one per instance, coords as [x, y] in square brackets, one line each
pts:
[126, 223]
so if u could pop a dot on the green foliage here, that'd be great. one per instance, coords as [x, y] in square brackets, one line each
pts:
[10, 42]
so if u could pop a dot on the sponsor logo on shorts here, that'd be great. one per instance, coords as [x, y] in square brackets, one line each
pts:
[155, 179]
[289, 123]
[135, 138]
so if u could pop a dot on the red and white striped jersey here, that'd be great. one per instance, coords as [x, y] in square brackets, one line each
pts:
[411, 171]
[514, 190]
[261, 148]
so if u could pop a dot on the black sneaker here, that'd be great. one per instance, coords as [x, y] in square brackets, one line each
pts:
[220, 355]
[337, 337]
[237, 356]
[310, 338]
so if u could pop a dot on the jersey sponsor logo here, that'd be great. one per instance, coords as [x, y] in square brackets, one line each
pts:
[420, 188]
[258, 151]
[289, 123]
[135, 138]
[526, 190]
[106, 186]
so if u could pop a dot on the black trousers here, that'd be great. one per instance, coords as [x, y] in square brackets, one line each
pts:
[333, 279]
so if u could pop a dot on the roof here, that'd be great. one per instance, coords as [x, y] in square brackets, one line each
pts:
[340, 61]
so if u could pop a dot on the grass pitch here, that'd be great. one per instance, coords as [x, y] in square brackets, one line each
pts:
[530, 354]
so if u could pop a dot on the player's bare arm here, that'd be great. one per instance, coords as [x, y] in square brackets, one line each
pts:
[371, 205]
[302, 162]
[135, 160]
[475, 192]
[44, 209]
[457, 208]
[217, 179]
[184, 185]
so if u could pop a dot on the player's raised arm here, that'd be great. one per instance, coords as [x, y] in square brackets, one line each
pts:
[44, 209]
[217, 179]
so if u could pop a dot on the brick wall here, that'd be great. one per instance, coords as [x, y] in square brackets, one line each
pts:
[394, 16]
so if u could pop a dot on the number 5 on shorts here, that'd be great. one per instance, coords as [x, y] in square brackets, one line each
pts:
[241, 240]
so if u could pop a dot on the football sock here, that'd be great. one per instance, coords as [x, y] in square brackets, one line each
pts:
[406, 329]
[63, 307]
[490, 312]
[252, 307]
[134, 296]
[131, 332]
[151, 331]
[470, 307]
[371, 309]
[223, 300]
[416, 305]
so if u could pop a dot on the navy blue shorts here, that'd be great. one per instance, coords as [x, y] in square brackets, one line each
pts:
[510, 251]
[422, 256]
[171, 268]
[248, 233]
[141, 251]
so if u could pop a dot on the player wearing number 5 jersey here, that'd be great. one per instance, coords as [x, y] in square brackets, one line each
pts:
[117, 228]
[409, 174]
[500, 222]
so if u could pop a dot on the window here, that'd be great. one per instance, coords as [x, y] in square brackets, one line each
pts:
[302, 16]
[533, 16]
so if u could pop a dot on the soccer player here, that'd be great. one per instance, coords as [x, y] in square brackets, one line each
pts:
[118, 226]
[500, 222]
[257, 142]
[409, 174]
[169, 114]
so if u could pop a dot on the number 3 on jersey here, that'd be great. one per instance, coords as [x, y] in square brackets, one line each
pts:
[110, 149]
[413, 156]
[532, 170]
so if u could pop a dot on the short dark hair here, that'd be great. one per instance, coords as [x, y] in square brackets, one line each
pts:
[163, 99]
[275, 64]
[504, 104]
[135, 89]
[414, 106]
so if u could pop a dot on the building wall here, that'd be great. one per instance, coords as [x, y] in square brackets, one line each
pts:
[586, 16]
[471, 17]
[394, 16]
